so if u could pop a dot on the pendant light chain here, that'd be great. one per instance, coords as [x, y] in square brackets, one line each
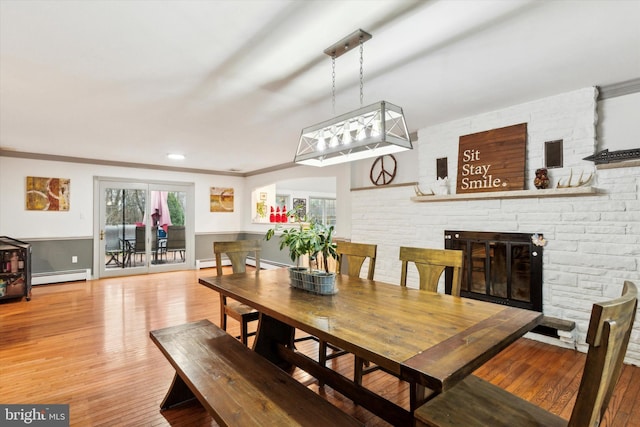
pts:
[358, 134]
[333, 83]
[361, 72]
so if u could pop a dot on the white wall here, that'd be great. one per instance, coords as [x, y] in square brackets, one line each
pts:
[406, 169]
[593, 241]
[619, 123]
[16, 221]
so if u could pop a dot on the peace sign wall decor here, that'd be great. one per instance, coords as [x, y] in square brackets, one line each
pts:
[383, 170]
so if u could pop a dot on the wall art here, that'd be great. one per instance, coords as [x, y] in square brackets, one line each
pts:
[493, 160]
[221, 199]
[47, 194]
[300, 207]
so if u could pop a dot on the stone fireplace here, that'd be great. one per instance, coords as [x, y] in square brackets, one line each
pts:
[500, 267]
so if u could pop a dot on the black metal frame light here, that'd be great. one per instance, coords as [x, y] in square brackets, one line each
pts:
[370, 131]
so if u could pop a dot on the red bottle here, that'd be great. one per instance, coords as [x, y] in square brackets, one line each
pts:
[278, 217]
[284, 216]
[272, 216]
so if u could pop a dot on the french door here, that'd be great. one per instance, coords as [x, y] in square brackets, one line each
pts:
[142, 227]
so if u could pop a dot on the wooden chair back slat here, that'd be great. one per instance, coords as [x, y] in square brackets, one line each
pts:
[608, 337]
[355, 255]
[237, 251]
[430, 264]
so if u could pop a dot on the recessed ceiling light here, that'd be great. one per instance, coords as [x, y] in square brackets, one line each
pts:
[175, 156]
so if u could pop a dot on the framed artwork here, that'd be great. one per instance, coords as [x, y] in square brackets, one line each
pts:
[261, 210]
[221, 199]
[47, 194]
[300, 206]
[553, 154]
[442, 168]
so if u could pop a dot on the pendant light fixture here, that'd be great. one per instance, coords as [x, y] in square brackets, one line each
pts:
[370, 131]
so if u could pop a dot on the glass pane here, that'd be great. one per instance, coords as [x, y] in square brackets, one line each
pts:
[124, 215]
[171, 230]
[461, 245]
[282, 201]
[478, 269]
[521, 273]
[323, 210]
[498, 254]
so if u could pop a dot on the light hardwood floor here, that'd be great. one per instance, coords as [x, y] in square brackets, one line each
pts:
[87, 344]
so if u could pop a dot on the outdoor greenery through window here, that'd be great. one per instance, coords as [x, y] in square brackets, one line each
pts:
[323, 210]
[128, 206]
[130, 214]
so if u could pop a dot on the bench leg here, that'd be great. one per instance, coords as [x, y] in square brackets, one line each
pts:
[178, 393]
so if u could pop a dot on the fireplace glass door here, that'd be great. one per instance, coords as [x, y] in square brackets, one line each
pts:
[499, 267]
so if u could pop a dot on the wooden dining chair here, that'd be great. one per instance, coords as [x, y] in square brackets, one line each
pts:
[431, 263]
[353, 255]
[237, 251]
[475, 402]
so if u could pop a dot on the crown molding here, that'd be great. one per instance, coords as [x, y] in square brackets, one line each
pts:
[82, 160]
[619, 89]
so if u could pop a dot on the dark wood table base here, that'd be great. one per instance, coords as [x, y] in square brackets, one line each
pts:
[274, 341]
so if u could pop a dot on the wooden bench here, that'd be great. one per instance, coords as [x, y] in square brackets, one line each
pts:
[237, 386]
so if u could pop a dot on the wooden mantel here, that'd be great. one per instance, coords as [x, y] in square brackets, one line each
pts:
[518, 194]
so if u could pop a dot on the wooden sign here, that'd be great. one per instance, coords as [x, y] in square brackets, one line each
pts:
[493, 160]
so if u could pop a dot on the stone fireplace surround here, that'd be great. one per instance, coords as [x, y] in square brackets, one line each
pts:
[593, 238]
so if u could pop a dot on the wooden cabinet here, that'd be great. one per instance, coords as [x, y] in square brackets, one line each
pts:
[15, 268]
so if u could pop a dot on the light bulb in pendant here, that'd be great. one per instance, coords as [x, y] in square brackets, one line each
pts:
[360, 130]
[321, 144]
[333, 142]
[346, 133]
[375, 128]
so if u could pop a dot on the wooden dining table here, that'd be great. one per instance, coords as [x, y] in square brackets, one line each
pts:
[430, 340]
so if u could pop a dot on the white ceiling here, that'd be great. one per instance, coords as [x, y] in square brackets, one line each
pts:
[230, 83]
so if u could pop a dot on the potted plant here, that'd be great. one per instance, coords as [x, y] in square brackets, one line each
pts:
[307, 238]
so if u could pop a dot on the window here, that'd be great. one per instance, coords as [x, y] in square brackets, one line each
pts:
[323, 210]
[282, 201]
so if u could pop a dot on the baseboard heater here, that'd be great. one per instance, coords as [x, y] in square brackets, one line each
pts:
[50, 277]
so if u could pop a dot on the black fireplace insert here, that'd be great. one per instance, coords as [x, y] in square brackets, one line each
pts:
[504, 268]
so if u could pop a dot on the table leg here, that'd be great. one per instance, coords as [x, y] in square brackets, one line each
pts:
[270, 333]
[416, 395]
[379, 405]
